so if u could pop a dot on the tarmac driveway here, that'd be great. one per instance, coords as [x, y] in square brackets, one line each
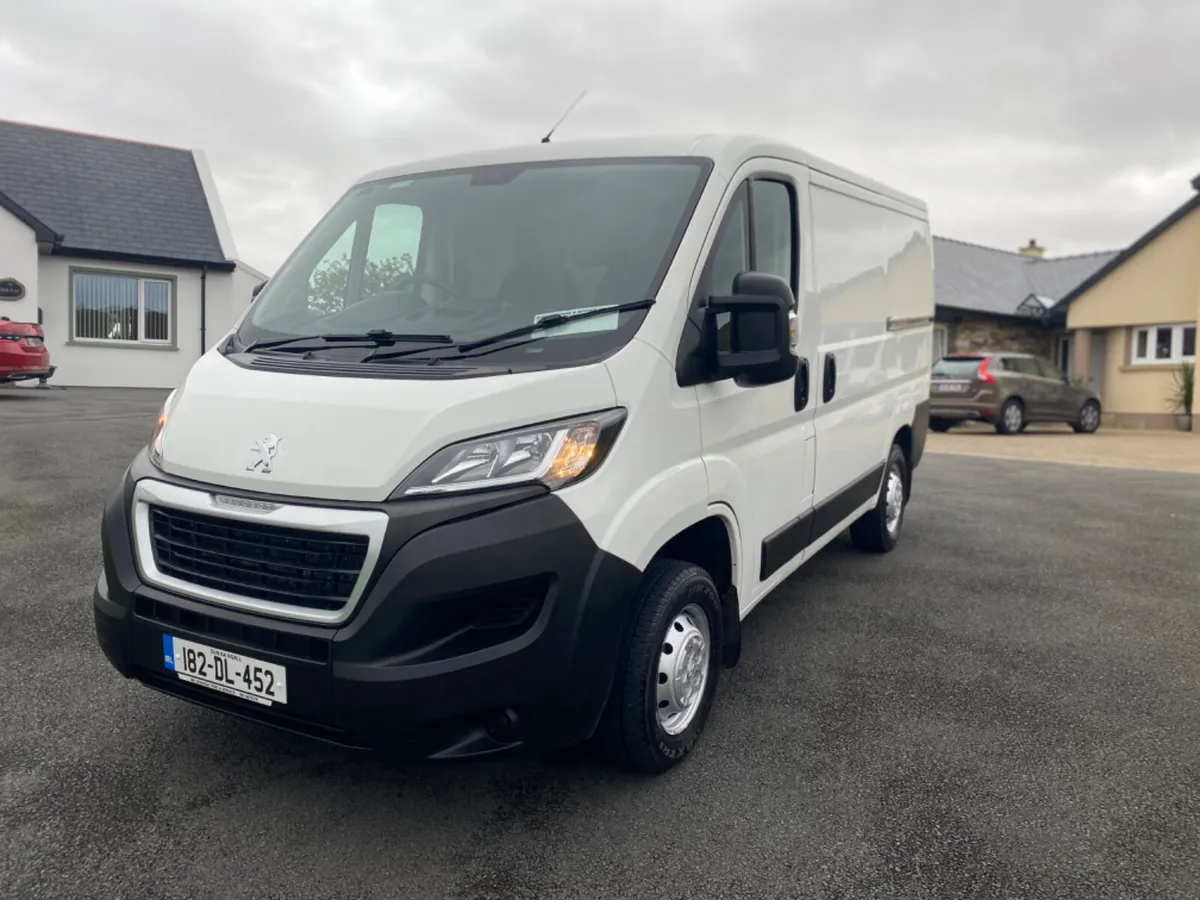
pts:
[1007, 706]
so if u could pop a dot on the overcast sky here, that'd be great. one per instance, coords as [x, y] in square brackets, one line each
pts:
[1076, 122]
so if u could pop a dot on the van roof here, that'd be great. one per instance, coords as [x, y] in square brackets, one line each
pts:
[727, 151]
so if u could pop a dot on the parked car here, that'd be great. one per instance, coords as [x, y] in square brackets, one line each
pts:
[521, 487]
[23, 353]
[1008, 391]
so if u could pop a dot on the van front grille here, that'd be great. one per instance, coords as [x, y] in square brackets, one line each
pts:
[290, 566]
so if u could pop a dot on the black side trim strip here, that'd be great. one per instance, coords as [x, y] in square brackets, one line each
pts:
[920, 429]
[781, 546]
[846, 501]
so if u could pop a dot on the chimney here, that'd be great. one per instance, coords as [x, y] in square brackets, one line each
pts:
[1033, 250]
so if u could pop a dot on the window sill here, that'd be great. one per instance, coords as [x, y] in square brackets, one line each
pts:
[122, 345]
[1154, 367]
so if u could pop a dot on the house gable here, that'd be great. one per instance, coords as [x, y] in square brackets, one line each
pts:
[1157, 281]
[106, 198]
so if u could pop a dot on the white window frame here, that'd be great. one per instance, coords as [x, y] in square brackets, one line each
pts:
[142, 279]
[1150, 359]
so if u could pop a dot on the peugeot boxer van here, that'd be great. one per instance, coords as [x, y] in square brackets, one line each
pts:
[510, 445]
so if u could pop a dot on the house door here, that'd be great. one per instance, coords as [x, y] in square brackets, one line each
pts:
[1064, 353]
[1096, 364]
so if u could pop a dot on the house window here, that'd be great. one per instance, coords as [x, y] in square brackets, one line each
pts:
[121, 308]
[1163, 344]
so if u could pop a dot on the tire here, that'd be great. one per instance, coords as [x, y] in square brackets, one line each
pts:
[878, 530]
[941, 426]
[1089, 418]
[1012, 417]
[674, 599]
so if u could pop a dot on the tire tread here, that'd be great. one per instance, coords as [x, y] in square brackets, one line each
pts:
[621, 735]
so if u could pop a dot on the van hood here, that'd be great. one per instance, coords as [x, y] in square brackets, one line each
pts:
[351, 438]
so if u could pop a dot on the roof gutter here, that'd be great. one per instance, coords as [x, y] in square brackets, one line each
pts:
[117, 256]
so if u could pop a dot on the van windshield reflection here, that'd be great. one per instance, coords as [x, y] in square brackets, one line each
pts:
[470, 254]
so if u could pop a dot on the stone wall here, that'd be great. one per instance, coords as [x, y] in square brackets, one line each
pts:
[976, 334]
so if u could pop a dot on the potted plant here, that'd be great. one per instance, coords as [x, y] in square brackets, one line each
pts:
[1183, 394]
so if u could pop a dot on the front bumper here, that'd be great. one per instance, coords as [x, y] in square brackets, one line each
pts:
[489, 622]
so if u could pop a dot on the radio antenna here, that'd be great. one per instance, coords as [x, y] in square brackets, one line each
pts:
[546, 139]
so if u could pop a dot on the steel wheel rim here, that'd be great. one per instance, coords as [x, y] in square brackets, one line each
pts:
[893, 501]
[1012, 417]
[682, 676]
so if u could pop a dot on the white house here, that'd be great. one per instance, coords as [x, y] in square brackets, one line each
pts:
[120, 250]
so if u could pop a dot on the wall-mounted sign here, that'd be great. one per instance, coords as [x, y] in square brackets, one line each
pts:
[11, 289]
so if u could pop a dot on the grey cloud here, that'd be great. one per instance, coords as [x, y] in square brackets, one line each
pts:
[1014, 120]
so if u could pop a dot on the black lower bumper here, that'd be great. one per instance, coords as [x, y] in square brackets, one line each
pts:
[27, 375]
[963, 412]
[490, 623]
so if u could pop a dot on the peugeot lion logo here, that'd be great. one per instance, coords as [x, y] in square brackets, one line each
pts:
[266, 448]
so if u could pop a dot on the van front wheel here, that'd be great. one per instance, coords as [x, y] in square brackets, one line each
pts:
[878, 530]
[667, 675]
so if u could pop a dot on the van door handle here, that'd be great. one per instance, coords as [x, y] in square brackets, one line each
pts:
[830, 379]
[801, 387]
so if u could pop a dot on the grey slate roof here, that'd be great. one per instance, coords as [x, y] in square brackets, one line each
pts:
[104, 195]
[987, 280]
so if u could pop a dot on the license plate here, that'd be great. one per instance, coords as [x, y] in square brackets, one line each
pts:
[34, 342]
[229, 673]
[951, 388]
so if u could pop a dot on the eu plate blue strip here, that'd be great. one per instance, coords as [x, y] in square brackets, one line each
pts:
[169, 652]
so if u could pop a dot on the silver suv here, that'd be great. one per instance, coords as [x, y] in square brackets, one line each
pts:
[1008, 391]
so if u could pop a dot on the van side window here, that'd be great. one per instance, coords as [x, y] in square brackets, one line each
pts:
[731, 253]
[771, 202]
[768, 246]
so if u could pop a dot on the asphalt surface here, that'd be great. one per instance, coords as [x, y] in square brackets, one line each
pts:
[1006, 706]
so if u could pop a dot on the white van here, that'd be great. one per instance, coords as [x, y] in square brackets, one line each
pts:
[507, 449]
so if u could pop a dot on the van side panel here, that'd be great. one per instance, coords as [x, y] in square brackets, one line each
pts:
[873, 269]
[653, 485]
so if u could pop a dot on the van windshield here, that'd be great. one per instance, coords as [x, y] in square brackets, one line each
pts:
[468, 254]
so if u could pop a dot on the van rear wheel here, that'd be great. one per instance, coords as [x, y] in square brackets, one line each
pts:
[667, 675]
[878, 530]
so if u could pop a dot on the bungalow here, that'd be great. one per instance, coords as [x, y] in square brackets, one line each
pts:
[120, 250]
[991, 299]
[1133, 322]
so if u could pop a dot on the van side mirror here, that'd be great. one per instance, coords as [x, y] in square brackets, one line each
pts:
[257, 289]
[751, 333]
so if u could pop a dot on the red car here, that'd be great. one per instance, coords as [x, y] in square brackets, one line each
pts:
[23, 353]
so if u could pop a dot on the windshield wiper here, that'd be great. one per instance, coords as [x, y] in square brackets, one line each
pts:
[553, 321]
[378, 337]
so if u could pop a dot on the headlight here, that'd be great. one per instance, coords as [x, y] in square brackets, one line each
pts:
[555, 454]
[155, 446]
